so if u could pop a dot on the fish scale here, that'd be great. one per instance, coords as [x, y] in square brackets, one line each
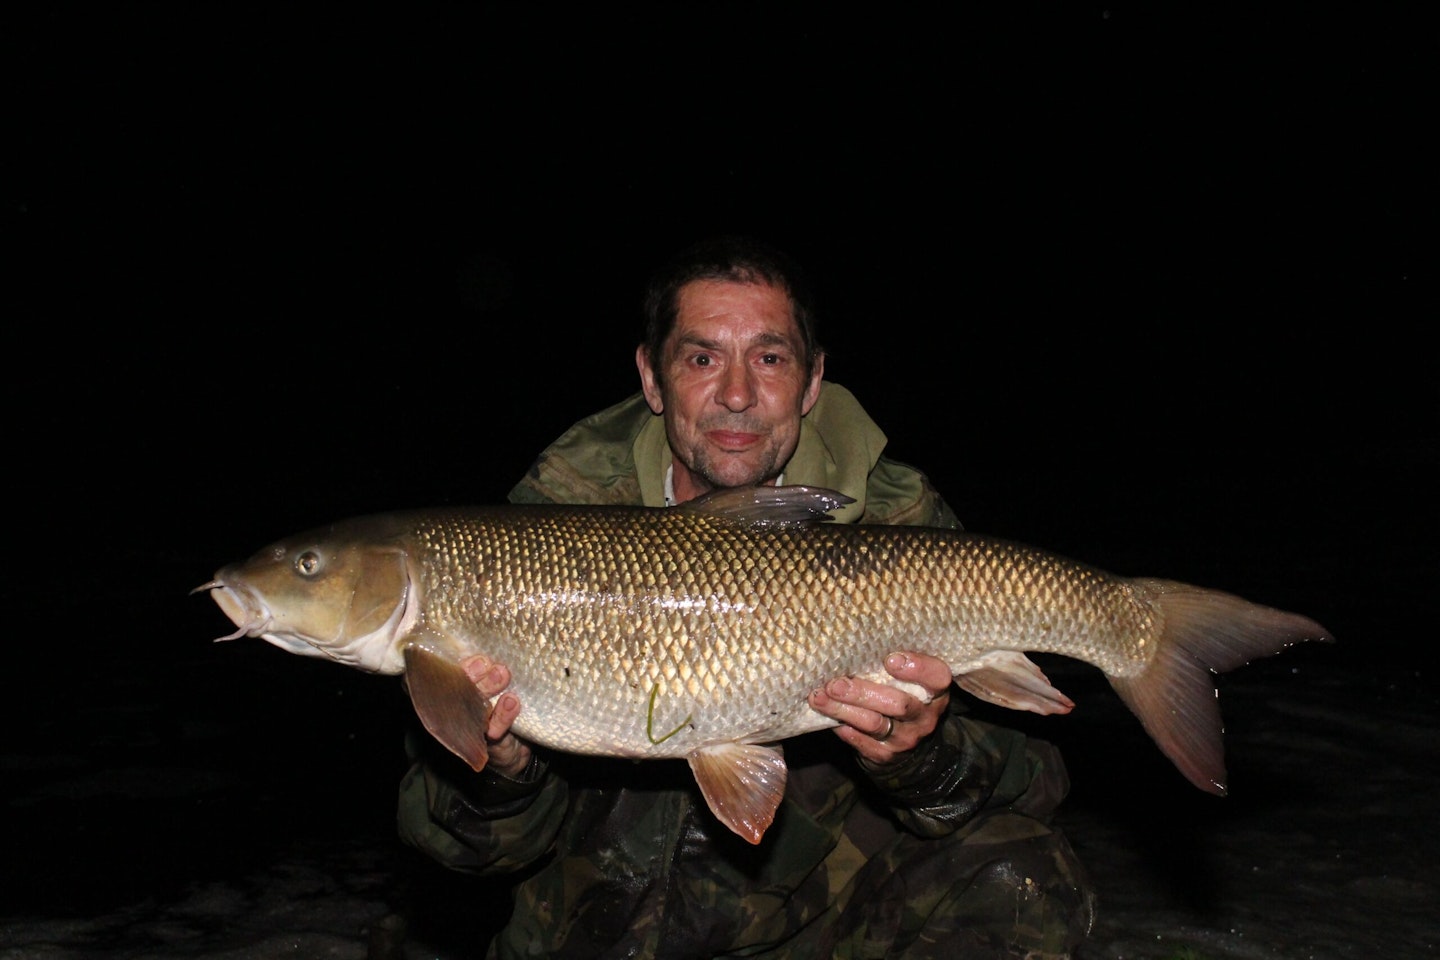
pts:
[746, 589]
[699, 631]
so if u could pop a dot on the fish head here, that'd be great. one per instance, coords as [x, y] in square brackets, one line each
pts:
[336, 593]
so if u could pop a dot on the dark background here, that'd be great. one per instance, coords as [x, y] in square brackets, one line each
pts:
[1152, 291]
[279, 266]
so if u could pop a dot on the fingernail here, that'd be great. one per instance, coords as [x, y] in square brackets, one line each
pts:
[899, 661]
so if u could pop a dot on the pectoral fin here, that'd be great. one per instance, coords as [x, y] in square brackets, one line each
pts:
[743, 783]
[1012, 680]
[449, 704]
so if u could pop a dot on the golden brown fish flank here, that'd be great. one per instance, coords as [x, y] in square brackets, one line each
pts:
[697, 631]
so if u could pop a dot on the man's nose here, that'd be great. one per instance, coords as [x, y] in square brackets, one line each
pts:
[737, 388]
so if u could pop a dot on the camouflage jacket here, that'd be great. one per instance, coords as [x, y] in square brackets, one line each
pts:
[620, 860]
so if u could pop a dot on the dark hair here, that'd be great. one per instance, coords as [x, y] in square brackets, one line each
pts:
[737, 260]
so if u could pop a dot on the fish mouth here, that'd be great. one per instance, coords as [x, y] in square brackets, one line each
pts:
[245, 610]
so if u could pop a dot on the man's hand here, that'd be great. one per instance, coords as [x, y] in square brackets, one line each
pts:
[509, 755]
[880, 721]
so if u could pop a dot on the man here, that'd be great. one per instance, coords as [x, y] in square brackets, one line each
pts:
[918, 832]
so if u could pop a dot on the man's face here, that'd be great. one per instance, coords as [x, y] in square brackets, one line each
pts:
[732, 386]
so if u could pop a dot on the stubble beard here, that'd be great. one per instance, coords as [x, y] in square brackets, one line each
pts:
[718, 470]
[718, 475]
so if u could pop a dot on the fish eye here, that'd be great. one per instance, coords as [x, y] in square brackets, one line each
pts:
[308, 563]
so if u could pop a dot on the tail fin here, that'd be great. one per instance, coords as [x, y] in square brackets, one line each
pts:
[1203, 632]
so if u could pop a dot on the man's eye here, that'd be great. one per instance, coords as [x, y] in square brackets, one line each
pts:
[702, 361]
[770, 358]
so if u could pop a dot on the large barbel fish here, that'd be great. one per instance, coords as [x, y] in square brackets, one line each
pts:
[697, 631]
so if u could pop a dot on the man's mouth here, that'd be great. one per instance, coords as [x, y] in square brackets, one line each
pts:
[732, 439]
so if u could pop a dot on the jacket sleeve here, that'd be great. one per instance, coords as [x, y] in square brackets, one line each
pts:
[482, 823]
[964, 767]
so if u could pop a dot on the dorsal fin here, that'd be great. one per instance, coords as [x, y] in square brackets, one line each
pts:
[769, 505]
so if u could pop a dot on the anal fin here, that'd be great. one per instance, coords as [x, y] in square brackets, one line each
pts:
[448, 703]
[743, 783]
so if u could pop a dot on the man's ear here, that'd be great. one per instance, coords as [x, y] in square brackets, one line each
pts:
[812, 390]
[649, 383]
